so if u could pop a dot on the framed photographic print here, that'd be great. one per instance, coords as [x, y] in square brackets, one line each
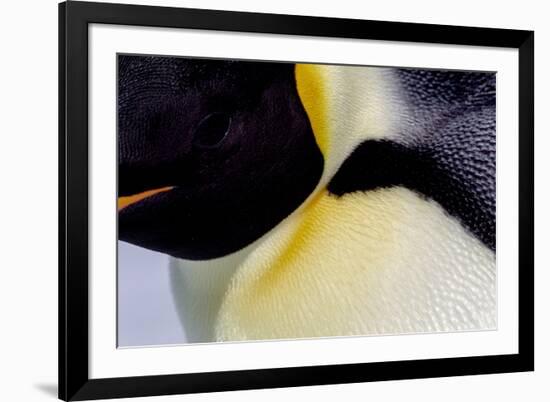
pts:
[257, 200]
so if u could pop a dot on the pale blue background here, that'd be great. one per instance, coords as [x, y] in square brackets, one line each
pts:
[146, 310]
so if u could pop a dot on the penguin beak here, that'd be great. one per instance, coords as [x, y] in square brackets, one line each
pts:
[125, 201]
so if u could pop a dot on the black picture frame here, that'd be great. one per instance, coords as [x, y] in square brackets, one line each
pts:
[74, 381]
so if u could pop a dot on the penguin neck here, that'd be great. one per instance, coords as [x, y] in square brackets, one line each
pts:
[348, 105]
[198, 290]
[199, 286]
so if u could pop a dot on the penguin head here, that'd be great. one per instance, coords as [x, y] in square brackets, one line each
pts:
[211, 154]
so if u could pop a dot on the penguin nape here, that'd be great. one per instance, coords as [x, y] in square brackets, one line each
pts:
[302, 200]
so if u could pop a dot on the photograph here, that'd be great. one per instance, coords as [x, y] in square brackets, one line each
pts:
[261, 200]
[254, 200]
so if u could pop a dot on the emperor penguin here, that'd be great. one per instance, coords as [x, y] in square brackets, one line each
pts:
[308, 200]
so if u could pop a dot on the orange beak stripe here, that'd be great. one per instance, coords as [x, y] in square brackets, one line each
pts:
[123, 202]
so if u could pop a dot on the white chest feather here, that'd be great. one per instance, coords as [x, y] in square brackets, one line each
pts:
[386, 261]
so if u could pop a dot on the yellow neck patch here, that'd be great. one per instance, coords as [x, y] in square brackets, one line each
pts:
[311, 84]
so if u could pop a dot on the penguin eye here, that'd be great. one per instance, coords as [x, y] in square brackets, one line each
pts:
[212, 130]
